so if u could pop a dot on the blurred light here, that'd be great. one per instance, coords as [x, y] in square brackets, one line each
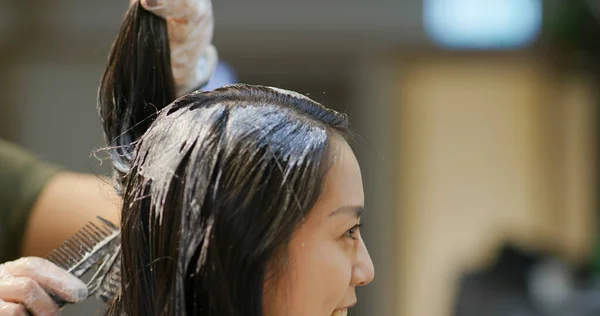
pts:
[482, 24]
[223, 75]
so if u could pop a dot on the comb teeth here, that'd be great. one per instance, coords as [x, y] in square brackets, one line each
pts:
[96, 246]
[73, 250]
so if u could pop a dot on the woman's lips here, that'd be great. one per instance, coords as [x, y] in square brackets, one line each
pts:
[340, 312]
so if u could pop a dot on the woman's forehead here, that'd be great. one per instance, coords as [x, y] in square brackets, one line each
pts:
[343, 182]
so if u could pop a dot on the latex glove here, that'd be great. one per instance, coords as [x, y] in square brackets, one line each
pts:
[24, 282]
[190, 24]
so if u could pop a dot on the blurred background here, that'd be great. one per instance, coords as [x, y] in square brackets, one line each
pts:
[478, 117]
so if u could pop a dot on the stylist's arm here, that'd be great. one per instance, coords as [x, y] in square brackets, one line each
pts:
[25, 283]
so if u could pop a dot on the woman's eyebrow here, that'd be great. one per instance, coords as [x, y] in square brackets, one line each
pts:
[349, 209]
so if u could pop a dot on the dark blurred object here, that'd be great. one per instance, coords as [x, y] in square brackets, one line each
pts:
[585, 303]
[499, 291]
[522, 284]
[573, 30]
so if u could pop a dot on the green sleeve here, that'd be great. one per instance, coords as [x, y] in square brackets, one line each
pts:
[22, 178]
[596, 258]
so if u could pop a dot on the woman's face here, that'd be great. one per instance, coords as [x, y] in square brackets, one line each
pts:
[327, 258]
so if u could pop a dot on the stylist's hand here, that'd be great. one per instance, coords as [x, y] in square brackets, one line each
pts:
[24, 282]
[191, 25]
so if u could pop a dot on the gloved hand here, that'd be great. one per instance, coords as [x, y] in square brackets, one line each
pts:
[24, 282]
[190, 24]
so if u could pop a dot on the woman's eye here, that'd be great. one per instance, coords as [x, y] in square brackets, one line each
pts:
[354, 232]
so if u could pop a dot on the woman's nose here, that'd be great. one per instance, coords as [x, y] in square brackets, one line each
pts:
[363, 271]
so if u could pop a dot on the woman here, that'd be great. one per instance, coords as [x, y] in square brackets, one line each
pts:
[245, 200]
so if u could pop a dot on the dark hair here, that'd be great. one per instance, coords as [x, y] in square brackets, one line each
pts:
[137, 82]
[214, 184]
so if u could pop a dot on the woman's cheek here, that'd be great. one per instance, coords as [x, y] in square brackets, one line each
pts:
[337, 269]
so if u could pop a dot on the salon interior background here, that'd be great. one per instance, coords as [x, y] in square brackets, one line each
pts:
[479, 119]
